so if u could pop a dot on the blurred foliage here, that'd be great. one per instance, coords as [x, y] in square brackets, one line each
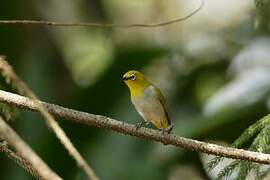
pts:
[262, 21]
[213, 70]
[259, 131]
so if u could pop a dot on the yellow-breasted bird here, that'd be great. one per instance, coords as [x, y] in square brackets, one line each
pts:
[148, 101]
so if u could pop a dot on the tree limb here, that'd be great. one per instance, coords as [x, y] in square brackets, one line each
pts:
[19, 160]
[129, 129]
[12, 78]
[93, 24]
[26, 152]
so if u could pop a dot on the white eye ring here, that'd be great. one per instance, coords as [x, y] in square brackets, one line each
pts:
[132, 77]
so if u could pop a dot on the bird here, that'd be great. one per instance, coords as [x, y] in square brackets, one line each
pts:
[148, 101]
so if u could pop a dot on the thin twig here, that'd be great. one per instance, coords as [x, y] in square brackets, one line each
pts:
[26, 152]
[93, 24]
[19, 160]
[10, 75]
[129, 129]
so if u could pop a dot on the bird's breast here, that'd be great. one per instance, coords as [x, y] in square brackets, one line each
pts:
[149, 106]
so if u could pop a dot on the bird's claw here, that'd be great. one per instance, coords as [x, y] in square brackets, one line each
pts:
[140, 124]
[167, 130]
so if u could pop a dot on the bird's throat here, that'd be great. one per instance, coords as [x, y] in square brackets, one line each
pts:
[137, 89]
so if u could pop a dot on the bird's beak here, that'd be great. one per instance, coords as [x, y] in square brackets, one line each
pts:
[124, 78]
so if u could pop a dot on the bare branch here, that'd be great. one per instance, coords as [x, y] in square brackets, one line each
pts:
[26, 152]
[10, 76]
[129, 129]
[19, 160]
[93, 24]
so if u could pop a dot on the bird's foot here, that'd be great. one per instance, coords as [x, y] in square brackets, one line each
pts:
[167, 130]
[140, 124]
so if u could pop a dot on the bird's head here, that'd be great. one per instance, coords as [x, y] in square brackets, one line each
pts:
[135, 80]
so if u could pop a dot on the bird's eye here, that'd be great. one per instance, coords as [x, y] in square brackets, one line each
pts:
[132, 77]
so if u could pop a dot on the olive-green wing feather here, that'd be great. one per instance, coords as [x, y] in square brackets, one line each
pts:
[163, 102]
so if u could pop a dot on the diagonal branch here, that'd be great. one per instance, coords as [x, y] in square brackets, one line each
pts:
[128, 129]
[12, 78]
[93, 24]
[19, 160]
[26, 152]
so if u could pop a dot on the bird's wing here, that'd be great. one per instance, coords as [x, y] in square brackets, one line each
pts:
[163, 102]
